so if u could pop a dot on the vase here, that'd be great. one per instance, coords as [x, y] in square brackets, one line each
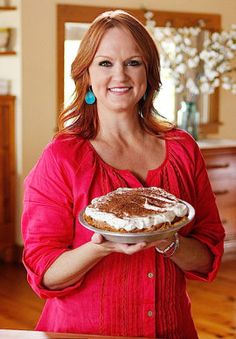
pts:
[188, 118]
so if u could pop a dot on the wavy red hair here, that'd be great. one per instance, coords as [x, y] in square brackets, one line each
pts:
[80, 118]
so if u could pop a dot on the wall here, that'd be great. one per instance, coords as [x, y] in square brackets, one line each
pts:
[10, 69]
[38, 82]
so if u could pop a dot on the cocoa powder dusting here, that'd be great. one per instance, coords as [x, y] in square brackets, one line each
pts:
[132, 203]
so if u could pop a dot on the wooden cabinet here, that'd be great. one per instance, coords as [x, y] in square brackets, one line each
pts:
[221, 166]
[7, 177]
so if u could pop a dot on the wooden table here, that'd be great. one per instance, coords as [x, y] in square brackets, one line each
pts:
[19, 334]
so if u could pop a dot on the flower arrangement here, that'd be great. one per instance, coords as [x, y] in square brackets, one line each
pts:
[197, 60]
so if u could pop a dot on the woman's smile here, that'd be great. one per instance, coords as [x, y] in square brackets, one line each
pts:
[119, 90]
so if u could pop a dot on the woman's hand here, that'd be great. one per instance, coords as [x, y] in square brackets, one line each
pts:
[111, 246]
[162, 243]
[191, 255]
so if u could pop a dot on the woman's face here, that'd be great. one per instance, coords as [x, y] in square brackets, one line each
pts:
[117, 73]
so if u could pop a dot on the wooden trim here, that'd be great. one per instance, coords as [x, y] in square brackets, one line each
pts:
[7, 53]
[77, 13]
[8, 8]
[7, 97]
[216, 150]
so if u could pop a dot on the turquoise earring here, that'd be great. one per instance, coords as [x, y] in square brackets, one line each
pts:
[90, 97]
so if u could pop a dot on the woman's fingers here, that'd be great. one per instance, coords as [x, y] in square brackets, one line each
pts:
[117, 247]
[97, 238]
[131, 249]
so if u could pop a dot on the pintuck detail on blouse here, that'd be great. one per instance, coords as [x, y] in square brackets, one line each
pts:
[139, 295]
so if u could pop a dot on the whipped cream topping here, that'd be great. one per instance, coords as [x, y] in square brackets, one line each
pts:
[136, 208]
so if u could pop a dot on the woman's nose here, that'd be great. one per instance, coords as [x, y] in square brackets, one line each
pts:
[119, 72]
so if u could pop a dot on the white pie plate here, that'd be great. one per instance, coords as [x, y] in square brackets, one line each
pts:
[133, 238]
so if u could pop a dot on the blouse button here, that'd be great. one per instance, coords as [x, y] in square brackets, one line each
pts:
[149, 313]
[150, 275]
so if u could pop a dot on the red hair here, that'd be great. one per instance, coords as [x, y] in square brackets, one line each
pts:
[85, 117]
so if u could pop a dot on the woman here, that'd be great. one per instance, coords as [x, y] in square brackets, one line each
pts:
[110, 137]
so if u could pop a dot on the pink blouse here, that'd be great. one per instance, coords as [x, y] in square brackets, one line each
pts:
[143, 294]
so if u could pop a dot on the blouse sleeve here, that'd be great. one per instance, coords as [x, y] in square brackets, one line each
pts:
[47, 221]
[207, 226]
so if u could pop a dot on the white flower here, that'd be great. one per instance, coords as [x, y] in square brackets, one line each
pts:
[216, 45]
[203, 55]
[229, 54]
[181, 68]
[193, 63]
[215, 36]
[186, 30]
[179, 58]
[224, 67]
[213, 54]
[220, 58]
[158, 34]
[216, 82]
[179, 88]
[167, 31]
[177, 38]
[225, 79]
[166, 45]
[194, 31]
[192, 51]
[233, 89]
[183, 47]
[205, 87]
[224, 35]
[211, 74]
[148, 15]
[226, 85]
[166, 63]
[233, 47]
[203, 78]
[187, 41]
[211, 63]
[177, 49]
[211, 90]
[206, 43]
[196, 67]
[151, 23]
[175, 74]
[190, 84]
[229, 43]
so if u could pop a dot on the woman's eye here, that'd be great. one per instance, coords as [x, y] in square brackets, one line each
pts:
[105, 63]
[134, 63]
